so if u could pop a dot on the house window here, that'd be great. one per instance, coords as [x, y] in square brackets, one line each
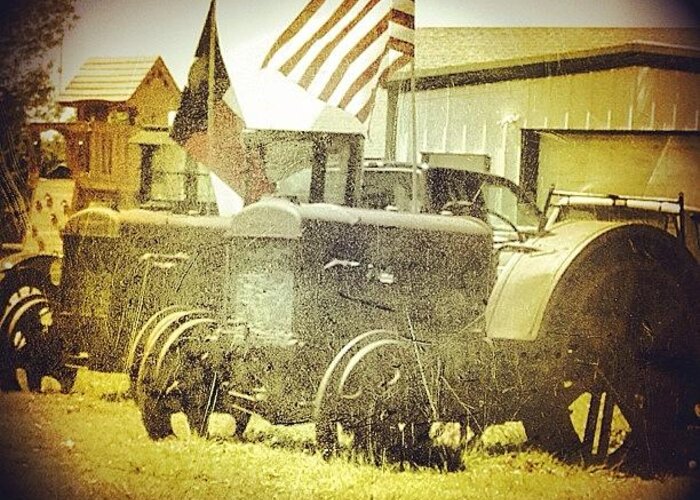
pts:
[106, 165]
[170, 181]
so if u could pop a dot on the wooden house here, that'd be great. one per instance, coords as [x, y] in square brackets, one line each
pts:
[114, 99]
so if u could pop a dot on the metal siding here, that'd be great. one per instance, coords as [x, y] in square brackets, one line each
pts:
[589, 101]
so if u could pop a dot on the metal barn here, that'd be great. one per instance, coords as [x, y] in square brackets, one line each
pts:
[596, 110]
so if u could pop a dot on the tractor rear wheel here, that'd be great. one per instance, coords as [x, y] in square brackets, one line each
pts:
[623, 378]
[28, 337]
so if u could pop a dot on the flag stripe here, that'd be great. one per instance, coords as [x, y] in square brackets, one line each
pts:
[361, 81]
[355, 70]
[401, 61]
[367, 93]
[327, 50]
[401, 46]
[342, 53]
[369, 74]
[360, 48]
[335, 18]
[293, 29]
[363, 113]
[403, 18]
[379, 29]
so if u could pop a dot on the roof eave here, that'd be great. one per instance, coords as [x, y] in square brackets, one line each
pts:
[122, 94]
[603, 58]
[78, 101]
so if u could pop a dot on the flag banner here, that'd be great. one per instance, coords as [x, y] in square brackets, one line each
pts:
[341, 50]
[216, 141]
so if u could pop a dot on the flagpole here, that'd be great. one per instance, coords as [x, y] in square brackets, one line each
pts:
[414, 140]
[211, 74]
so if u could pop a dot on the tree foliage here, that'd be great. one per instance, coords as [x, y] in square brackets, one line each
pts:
[29, 29]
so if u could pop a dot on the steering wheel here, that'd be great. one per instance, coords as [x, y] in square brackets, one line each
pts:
[503, 218]
[465, 207]
[458, 207]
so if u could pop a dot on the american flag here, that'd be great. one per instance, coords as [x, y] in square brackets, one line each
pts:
[341, 50]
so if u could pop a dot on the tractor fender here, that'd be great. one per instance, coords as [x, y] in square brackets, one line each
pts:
[334, 369]
[156, 337]
[25, 268]
[42, 264]
[524, 288]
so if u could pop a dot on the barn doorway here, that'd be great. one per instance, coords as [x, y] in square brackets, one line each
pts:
[654, 163]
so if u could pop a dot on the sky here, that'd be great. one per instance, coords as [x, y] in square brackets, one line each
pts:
[171, 28]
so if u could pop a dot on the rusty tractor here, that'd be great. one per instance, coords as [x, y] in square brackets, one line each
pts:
[331, 302]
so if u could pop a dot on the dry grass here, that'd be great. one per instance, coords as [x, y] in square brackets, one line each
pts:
[85, 446]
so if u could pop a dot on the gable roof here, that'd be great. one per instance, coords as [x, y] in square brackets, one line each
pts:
[493, 54]
[109, 79]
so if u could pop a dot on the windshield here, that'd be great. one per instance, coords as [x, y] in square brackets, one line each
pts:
[307, 167]
[389, 188]
[502, 201]
[171, 181]
[288, 166]
[496, 200]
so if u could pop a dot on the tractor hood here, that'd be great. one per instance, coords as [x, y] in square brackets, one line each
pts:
[280, 218]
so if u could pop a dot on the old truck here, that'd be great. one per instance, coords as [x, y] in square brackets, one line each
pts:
[332, 302]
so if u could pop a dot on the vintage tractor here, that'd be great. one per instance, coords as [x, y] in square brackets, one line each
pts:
[329, 302]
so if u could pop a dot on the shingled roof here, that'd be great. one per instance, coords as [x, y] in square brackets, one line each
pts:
[447, 57]
[444, 47]
[108, 79]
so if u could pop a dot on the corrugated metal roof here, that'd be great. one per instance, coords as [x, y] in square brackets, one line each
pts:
[107, 79]
[443, 47]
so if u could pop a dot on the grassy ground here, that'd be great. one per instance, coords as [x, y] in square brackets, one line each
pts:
[84, 445]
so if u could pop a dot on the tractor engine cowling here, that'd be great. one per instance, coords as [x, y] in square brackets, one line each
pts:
[344, 269]
[122, 267]
[307, 279]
